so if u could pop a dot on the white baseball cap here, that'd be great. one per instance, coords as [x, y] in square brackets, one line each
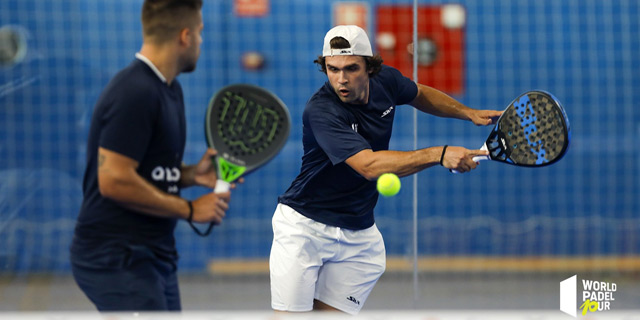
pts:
[357, 37]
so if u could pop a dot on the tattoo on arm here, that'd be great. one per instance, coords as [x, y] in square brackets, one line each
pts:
[101, 158]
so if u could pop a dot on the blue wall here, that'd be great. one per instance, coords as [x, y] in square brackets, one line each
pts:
[585, 52]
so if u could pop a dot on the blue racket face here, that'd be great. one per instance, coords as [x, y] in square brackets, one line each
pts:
[533, 131]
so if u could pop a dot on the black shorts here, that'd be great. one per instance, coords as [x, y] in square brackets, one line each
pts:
[141, 282]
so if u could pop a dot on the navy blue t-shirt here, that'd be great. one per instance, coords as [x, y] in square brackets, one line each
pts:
[141, 117]
[327, 189]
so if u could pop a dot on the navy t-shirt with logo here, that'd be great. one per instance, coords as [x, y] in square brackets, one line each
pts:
[328, 190]
[141, 117]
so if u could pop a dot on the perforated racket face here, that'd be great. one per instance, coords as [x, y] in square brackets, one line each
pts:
[532, 131]
[247, 125]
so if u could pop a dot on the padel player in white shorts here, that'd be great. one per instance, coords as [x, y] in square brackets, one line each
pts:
[327, 252]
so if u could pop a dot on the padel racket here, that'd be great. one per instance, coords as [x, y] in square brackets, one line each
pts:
[533, 131]
[248, 126]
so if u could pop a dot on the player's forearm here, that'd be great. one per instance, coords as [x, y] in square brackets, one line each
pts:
[438, 103]
[133, 192]
[372, 164]
[404, 163]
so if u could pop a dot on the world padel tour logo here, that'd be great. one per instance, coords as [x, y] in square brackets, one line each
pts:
[596, 296]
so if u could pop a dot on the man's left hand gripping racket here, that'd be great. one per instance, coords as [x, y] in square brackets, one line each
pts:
[248, 126]
[533, 131]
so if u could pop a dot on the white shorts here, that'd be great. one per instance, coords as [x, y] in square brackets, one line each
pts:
[311, 260]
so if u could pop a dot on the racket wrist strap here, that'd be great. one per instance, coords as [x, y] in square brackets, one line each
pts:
[190, 220]
[444, 149]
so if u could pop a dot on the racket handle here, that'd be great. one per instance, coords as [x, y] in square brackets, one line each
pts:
[477, 158]
[221, 186]
[480, 158]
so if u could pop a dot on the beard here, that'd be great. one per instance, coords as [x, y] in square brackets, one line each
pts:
[189, 63]
[189, 68]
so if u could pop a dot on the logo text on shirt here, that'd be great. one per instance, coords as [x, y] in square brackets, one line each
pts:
[171, 175]
[386, 112]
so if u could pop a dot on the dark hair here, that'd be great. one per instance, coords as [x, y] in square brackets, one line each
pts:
[374, 64]
[163, 19]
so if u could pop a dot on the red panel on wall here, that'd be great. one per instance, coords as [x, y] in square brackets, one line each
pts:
[251, 8]
[441, 48]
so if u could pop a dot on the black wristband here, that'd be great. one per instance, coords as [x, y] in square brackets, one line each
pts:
[190, 211]
[444, 149]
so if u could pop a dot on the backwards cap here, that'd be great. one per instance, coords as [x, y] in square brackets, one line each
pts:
[358, 39]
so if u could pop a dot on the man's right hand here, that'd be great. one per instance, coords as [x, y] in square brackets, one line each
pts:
[211, 207]
[460, 159]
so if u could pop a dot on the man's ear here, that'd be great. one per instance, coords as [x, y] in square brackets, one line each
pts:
[369, 68]
[185, 36]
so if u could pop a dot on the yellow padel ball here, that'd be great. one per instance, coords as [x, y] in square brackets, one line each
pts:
[388, 184]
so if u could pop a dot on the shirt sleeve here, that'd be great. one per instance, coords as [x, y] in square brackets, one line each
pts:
[406, 90]
[334, 133]
[128, 122]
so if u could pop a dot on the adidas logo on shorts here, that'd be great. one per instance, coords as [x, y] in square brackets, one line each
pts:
[354, 300]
